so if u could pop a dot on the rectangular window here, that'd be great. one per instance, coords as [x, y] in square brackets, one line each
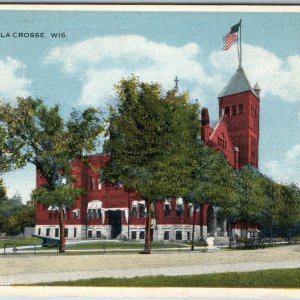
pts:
[39, 231]
[179, 210]
[75, 232]
[92, 183]
[134, 212]
[133, 235]
[98, 234]
[66, 232]
[142, 235]
[56, 232]
[142, 210]
[188, 235]
[166, 235]
[90, 234]
[48, 232]
[76, 214]
[167, 210]
[178, 235]
[99, 213]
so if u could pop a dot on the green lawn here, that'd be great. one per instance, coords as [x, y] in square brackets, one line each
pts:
[283, 278]
[121, 245]
[27, 241]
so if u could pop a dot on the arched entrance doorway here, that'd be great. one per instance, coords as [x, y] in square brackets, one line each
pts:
[115, 220]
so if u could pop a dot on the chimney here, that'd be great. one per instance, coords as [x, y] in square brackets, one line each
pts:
[204, 117]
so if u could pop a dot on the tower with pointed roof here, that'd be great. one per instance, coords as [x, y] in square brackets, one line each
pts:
[240, 103]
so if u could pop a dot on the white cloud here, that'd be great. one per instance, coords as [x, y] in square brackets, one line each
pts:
[287, 169]
[103, 61]
[13, 83]
[293, 153]
[279, 77]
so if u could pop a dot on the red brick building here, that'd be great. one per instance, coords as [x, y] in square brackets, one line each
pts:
[109, 213]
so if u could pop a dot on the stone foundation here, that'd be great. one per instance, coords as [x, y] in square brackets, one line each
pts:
[161, 233]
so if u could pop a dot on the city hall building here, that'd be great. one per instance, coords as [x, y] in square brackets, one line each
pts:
[115, 213]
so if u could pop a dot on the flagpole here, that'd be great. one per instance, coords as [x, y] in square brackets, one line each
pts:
[240, 56]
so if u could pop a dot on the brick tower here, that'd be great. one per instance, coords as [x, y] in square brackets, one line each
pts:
[240, 103]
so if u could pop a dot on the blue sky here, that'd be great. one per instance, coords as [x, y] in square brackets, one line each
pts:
[102, 47]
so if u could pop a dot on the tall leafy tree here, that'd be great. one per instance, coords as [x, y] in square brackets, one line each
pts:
[270, 214]
[250, 194]
[3, 195]
[289, 211]
[213, 181]
[151, 142]
[51, 144]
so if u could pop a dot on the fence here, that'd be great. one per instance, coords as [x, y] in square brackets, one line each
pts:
[16, 249]
[13, 249]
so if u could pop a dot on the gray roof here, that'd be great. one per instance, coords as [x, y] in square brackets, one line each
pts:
[237, 84]
[256, 87]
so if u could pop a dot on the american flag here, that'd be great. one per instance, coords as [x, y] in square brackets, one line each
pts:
[231, 37]
[229, 40]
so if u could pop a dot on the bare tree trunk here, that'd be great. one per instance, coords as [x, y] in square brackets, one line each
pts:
[148, 229]
[193, 230]
[62, 242]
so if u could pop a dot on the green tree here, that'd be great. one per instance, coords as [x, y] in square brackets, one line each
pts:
[289, 211]
[8, 211]
[26, 216]
[3, 195]
[270, 214]
[151, 142]
[250, 199]
[51, 144]
[214, 181]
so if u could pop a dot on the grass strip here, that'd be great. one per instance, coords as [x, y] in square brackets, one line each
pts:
[21, 242]
[96, 245]
[278, 278]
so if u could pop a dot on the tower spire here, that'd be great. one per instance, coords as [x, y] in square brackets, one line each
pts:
[176, 84]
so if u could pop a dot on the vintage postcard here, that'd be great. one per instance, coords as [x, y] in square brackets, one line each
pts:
[149, 147]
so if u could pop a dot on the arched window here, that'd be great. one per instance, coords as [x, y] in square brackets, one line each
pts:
[179, 207]
[227, 111]
[233, 110]
[94, 209]
[167, 208]
[241, 108]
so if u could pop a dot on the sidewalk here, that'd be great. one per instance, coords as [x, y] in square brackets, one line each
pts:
[46, 268]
